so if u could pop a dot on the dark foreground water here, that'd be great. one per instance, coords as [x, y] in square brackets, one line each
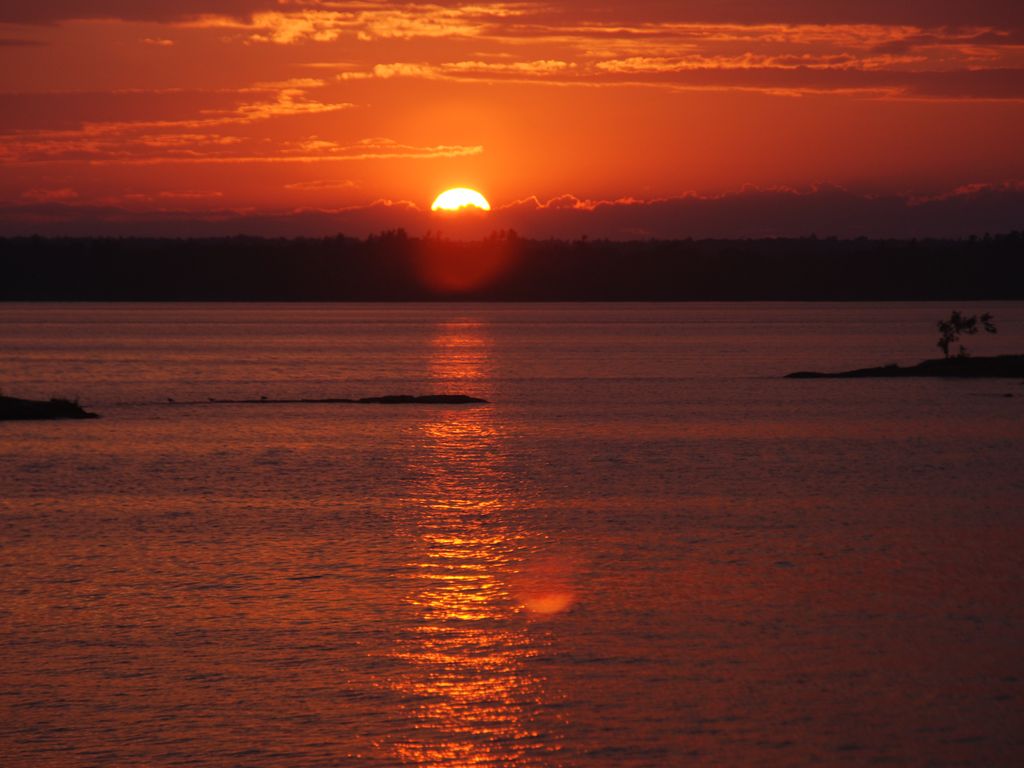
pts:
[648, 550]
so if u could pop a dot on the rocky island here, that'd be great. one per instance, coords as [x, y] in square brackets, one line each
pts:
[998, 367]
[17, 409]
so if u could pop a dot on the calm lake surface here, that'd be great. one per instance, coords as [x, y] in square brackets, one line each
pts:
[647, 550]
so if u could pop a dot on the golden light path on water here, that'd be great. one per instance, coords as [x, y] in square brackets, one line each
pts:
[468, 657]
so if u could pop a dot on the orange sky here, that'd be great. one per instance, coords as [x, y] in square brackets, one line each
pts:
[259, 107]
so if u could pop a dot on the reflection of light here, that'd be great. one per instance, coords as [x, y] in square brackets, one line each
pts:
[547, 602]
[544, 586]
[473, 695]
[460, 352]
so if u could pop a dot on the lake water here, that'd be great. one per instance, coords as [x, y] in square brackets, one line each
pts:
[648, 549]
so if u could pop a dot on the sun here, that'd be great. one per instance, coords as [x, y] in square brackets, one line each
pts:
[458, 198]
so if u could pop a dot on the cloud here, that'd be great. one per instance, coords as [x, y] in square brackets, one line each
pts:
[281, 28]
[48, 195]
[938, 12]
[218, 135]
[212, 135]
[754, 212]
[970, 191]
[316, 185]
[914, 50]
[620, 44]
[696, 62]
[879, 76]
[868, 60]
[867, 82]
[537, 67]
[197, 149]
[190, 194]
[160, 201]
[53, 11]
[751, 212]
[367, 21]
[386, 71]
[462, 69]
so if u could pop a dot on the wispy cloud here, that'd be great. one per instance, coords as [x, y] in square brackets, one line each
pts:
[619, 44]
[224, 136]
[537, 67]
[206, 136]
[696, 62]
[317, 185]
[366, 21]
[875, 77]
[687, 56]
[462, 69]
[198, 149]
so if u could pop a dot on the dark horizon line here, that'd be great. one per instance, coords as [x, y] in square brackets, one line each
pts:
[394, 267]
[511, 233]
[956, 301]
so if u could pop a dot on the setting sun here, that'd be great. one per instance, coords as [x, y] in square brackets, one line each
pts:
[460, 197]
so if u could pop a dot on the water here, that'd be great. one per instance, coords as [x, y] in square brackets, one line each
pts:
[647, 550]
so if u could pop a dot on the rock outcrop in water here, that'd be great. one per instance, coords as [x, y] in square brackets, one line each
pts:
[999, 367]
[17, 409]
[428, 399]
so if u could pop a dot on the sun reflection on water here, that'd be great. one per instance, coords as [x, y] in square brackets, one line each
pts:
[473, 695]
[460, 351]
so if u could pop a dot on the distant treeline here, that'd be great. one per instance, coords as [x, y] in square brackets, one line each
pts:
[394, 267]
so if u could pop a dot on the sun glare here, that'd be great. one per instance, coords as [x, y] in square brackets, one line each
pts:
[458, 198]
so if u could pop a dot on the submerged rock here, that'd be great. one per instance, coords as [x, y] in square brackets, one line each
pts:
[17, 409]
[999, 367]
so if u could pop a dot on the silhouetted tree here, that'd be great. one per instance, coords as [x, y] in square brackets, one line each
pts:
[959, 325]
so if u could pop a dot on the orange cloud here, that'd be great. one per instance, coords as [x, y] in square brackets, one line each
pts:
[538, 67]
[367, 21]
[461, 69]
[641, 64]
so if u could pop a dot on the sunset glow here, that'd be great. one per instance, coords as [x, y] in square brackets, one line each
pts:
[309, 117]
[479, 383]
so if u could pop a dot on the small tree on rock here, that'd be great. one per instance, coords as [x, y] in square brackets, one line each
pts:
[959, 325]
